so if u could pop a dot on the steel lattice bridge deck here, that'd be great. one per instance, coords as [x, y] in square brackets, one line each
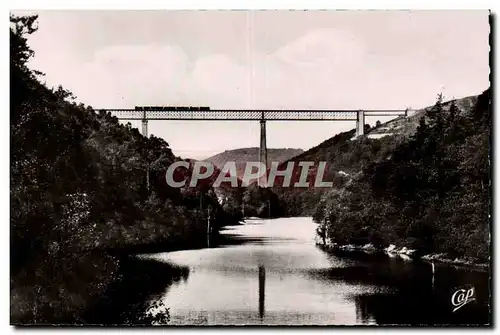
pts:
[207, 114]
[147, 113]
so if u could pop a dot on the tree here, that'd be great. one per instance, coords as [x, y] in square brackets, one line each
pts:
[430, 192]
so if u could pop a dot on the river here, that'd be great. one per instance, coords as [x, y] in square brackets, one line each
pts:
[271, 273]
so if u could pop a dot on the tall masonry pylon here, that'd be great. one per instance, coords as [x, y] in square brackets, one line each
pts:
[145, 134]
[144, 125]
[263, 149]
[360, 123]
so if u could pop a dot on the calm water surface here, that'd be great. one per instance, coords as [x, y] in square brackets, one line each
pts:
[271, 272]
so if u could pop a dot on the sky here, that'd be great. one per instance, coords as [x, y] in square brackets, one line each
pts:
[261, 59]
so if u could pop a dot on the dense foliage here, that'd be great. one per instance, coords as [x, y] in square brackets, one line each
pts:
[344, 157]
[82, 182]
[432, 193]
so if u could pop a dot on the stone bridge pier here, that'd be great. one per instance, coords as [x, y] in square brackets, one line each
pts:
[360, 123]
[263, 148]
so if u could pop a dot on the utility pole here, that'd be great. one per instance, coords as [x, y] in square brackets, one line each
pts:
[269, 207]
[209, 227]
[147, 178]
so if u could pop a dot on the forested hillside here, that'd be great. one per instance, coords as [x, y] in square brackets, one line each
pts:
[427, 190]
[345, 159]
[84, 188]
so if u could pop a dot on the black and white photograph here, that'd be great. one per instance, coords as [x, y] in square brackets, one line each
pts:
[251, 168]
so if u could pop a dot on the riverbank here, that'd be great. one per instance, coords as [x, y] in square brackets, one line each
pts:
[407, 254]
[91, 289]
[64, 287]
[72, 287]
[127, 300]
[60, 290]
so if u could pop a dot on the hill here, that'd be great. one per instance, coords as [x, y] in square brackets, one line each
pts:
[407, 126]
[243, 155]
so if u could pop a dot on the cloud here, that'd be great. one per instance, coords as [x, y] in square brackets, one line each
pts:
[128, 75]
[321, 69]
[218, 80]
[324, 68]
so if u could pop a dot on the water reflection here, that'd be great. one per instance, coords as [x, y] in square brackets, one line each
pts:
[139, 282]
[298, 284]
[262, 290]
[410, 293]
[433, 274]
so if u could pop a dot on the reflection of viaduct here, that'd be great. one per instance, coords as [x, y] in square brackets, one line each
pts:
[206, 114]
[262, 290]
